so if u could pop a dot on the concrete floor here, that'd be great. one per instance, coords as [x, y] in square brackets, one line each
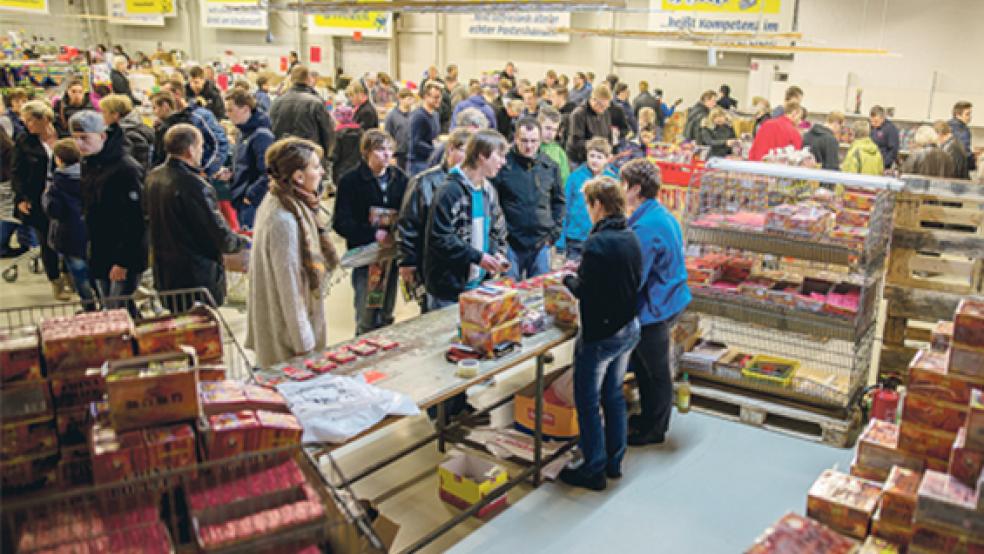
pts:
[713, 487]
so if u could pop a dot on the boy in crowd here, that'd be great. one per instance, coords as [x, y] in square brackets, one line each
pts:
[262, 94]
[550, 120]
[397, 124]
[577, 223]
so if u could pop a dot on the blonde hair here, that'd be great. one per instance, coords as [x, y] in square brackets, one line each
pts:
[835, 117]
[598, 144]
[116, 103]
[647, 117]
[862, 129]
[925, 135]
[601, 92]
[714, 113]
[38, 109]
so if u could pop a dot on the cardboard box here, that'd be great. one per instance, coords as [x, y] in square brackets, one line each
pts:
[562, 305]
[795, 533]
[171, 447]
[20, 354]
[86, 340]
[29, 472]
[874, 545]
[231, 434]
[25, 400]
[146, 391]
[975, 421]
[489, 306]
[869, 473]
[277, 430]
[843, 502]
[27, 437]
[198, 328]
[466, 479]
[116, 456]
[878, 448]
[928, 376]
[487, 340]
[942, 336]
[925, 441]
[929, 538]
[933, 413]
[73, 389]
[899, 496]
[968, 323]
[944, 500]
[558, 420]
[965, 463]
[966, 361]
[889, 530]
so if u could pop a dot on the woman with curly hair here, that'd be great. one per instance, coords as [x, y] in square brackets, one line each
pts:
[292, 257]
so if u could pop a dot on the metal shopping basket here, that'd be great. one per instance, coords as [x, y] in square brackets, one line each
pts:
[151, 304]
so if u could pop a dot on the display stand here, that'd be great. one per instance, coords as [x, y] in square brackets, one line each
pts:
[937, 257]
[786, 306]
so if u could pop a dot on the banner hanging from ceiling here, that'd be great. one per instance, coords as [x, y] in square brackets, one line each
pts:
[364, 24]
[27, 6]
[150, 7]
[521, 26]
[118, 16]
[719, 17]
[234, 14]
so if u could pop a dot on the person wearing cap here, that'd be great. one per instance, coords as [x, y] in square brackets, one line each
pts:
[348, 136]
[112, 185]
[397, 124]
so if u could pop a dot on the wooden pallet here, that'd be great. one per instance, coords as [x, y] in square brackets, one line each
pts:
[775, 415]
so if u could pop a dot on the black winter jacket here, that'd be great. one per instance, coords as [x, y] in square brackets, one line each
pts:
[717, 138]
[448, 253]
[366, 116]
[359, 190]
[300, 112]
[645, 100]
[585, 125]
[112, 194]
[347, 155]
[121, 84]
[188, 234]
[416, 207]
[608, 279]
[824, 146]
[64, 112]
[211, 98]
[930, 161]
[958, 154]
[63, 204]
[139, 138]
[29, 176]
[696, 114]
[532, 198]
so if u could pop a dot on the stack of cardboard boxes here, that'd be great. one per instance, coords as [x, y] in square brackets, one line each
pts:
[491, 318]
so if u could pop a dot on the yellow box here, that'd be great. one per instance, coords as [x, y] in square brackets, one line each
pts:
[486, 340]
[470, 478]
[558, 421]
[489, 306]
[783, 380]
[141, 397]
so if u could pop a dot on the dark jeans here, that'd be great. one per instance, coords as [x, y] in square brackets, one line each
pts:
[118, 289]
[651, 364]
[527, 264]
[246, 214]
[25, 238]
[367, 319]
[49, 258]
[574, 250]
[599, 369]
[79, 270]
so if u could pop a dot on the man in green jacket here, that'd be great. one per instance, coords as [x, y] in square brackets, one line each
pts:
[863, 156]
[549, 119]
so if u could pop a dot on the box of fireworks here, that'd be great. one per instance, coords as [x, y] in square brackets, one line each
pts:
[975, 420]
[933, 413]
[699, 276]
[489, 306]
[778, 217]
[171, 446]
[20, 354]
[945, 500]
[75, 466]
[153, 389]
[853, 218]
[942, 336]
[262, 398]
[277, 430]
[73, 425]
[891, 530]
[559, 302]
[966, 361]
[899, 495]
[116, 456]
[703, 357]
[772, 369]
[812, 294]
[968, 323]
[811, 221]
[784, 293]
[29, 472]
[95, 523]
[878, 448]
[198, 328]
[73, 389]
[230, 434]
[843, 300]
[559, 415]
[858, 199]
[930, 538]
[870, 473]
[843, 502]
[928, 442]
[27, 400]
[874, 545]
[381, 217]
[802, 535]
[737, 268]
[219, 397]
[756, 288]
[929, 377]
[965, 463]
[211, 373]
[27, 437]
[206, 494]
[86, 340]
[243, 533]
[487, 340]
[466, 479]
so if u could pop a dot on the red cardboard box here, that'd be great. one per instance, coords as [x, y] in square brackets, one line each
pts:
[965, 463]
[966, 361]
[942, 336]
[869, 473]
[277, 430]
[975, 421]
[27, 437]
[489, 306]
[197, 328]
[928, 538]
[928, 376]
[843, 502]
[899, 496]
[900, 534]
[795, 533]
[944, 500]
[29, 472]
[20, 354]
[74, 389]
[231, 434]
[932, 413]
[968, 323]
[925, 441]
[86, 340]
[171, 447]
[878, 448]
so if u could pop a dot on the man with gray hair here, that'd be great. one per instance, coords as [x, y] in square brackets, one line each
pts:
[469, 118]
[118, 79]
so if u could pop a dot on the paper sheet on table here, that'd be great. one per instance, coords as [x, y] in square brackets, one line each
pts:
[335, 408]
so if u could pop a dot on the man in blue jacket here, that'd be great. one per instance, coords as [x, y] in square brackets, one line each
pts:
[170, 113]
[475, 100]
[249, 177]
[962, 113]
[212, 159]
[885, 134]
[663, 296]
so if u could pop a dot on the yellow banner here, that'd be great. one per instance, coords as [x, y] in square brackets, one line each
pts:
[362, 21]
[150, 7]
[33, 6]
[724, 6]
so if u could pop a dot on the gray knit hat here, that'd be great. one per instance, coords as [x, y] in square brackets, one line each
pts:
[87, 121]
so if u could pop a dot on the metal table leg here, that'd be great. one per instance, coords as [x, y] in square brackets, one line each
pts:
[441, 428]
[538, 423]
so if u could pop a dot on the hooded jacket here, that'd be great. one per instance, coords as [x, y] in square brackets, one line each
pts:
[887, 139]
[188, 234]
[664, 292]
[210, 150]
[366, 116]
[120, 83]
[29, 176]
[448, 251]
[301, 113]
[607, 296]
[863, 157]
[412, 223]
[112, 193]
[478, 102]
[249, 177]
[139, 138]
[532, 198]
[778, 132]
[358, 191]
[211, 99]
[824, 146]
[586, 124]
[62, 202]
[930, 161]
[577, 223]
[645, 100]
[717, 137]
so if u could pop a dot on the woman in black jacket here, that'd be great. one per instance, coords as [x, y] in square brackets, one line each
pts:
[607, 285]
[30, 170]
[716, 131]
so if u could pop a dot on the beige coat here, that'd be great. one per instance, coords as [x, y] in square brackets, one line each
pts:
[285, 318]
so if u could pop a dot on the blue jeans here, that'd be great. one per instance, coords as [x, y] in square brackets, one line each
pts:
[118, 289]
[527, 264]
[367, 319]
[246, 214]
[599, 369]
[79, 270]
[574, 250]
[25, 238]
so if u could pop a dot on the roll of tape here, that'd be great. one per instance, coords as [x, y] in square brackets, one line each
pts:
[467, 368]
